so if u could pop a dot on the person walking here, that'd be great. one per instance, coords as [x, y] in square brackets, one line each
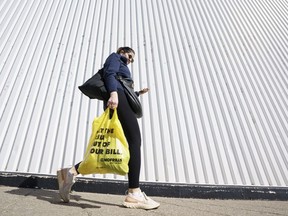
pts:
[117, 64]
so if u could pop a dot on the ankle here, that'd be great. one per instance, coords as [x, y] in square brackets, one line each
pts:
[134, 190]
[73, 171]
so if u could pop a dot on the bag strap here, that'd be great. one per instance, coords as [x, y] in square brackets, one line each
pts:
[126, 81]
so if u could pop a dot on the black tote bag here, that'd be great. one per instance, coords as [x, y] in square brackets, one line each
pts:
[94, 87]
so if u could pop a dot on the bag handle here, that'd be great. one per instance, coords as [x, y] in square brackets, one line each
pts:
[111, 114]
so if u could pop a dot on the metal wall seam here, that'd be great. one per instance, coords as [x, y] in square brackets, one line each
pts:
[10, 93]
[20, 91]
[153, 141]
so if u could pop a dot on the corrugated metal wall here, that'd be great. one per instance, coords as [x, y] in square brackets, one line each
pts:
[217, 111]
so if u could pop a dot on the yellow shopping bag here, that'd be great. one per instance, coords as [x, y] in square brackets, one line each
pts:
[107, 151]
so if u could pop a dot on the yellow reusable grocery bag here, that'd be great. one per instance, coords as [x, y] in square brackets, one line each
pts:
[107, 151]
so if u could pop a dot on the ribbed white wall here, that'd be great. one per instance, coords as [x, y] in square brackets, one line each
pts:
[217, 112]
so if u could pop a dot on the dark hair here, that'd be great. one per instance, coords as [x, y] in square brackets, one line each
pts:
[125, 50]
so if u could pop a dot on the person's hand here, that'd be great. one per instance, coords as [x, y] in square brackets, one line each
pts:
[113, 100]
[143, 91]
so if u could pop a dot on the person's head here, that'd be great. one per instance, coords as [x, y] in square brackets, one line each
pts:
[128, 52]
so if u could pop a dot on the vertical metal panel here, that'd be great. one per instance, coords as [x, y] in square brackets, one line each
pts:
[217, 109]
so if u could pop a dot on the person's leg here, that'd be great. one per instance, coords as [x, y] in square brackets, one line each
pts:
[132, 133]
[75, 168]
[135, 197]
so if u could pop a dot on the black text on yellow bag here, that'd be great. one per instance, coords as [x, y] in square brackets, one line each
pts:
[107, 151]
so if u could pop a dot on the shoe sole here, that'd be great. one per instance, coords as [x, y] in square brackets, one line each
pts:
[139, 206]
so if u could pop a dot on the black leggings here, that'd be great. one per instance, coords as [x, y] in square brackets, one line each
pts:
[132, 133]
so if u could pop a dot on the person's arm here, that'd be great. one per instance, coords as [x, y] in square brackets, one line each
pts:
[111, 67]
[142, 91]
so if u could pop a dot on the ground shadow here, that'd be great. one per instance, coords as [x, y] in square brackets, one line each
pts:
[54, 198]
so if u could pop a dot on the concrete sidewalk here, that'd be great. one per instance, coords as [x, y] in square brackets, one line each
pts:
[26, 201]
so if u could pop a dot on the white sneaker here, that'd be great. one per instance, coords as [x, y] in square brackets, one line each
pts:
[65, 181]
[140, 201]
